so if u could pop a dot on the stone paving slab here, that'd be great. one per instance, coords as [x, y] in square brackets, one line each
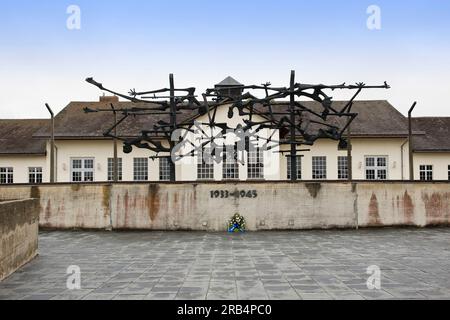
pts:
[414, 263]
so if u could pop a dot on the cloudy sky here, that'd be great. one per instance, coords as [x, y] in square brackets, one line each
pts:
[136, 44]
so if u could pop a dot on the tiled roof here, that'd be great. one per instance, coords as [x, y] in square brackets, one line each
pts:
[437, 137]
[72, 122]
[375, 118]
[16, 137]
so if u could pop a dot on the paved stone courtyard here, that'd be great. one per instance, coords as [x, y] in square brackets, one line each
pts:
[415, 264]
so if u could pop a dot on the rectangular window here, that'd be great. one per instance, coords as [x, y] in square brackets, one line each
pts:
[230, 165]
[35, 175]
[111, 169]
[255, 165]
[319, 168]
[140, 169]
[376, 168]
[205, 165]
[299, 167]
[6, 175]
[342, 168]
[426, 173]
[164, 168]
[82, 169]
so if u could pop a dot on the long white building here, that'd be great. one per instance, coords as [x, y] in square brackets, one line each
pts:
[83, 154]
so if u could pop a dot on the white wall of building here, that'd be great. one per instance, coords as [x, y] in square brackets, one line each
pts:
[100, 151]
[21, 164]
[362, 147]
[276, 163]
[439, 161]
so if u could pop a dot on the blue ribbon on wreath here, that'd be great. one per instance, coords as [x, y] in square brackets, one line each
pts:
[235, 227]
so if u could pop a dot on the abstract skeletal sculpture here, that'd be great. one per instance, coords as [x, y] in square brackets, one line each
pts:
[281, 109]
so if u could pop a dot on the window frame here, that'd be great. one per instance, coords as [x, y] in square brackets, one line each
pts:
[255, 164]
[35, 175]
[136, 175]
[83, 170]
[342, 168]
[164, 168]
[316, 167]
[426, 172]
[205, 165]
[376, 168]
[299, 167]
[230, 164]
[111, 169]
[6, 175]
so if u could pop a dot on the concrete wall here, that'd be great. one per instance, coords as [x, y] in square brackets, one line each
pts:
[172, 207]
[266, 206]
[396, 204]
[19, 224]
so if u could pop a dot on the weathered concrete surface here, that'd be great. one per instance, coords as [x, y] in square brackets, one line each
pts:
[266, 206]
[75, 206]
[188, 206]
[67, 206]
[415, 204]
[19, 224]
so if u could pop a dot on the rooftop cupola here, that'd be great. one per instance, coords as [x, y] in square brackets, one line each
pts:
[229, 88]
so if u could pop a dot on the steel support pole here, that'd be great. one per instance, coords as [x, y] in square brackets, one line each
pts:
[52, 144]
[116, 159]
[410, 142]
[349, 154]
[173, 124]
[292, 133]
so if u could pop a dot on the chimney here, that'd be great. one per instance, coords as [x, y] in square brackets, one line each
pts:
[109, 99]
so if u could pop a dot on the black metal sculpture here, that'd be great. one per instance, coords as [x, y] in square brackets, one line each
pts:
[280, 107]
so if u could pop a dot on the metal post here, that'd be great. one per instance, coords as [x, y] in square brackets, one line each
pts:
[349, 154]
[116, 160]
[52, 144]
[410, 137]
[292, 135]
[173, 124]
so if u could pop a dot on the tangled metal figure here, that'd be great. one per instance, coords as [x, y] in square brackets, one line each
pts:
[281, 109]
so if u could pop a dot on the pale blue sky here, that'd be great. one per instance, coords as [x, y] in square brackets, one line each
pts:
[135, 43]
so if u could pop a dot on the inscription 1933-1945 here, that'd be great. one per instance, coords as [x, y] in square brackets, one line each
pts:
[224, 194]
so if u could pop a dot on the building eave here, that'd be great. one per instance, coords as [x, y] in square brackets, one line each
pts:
[99, 138]
[24, 154]
[433, 151]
